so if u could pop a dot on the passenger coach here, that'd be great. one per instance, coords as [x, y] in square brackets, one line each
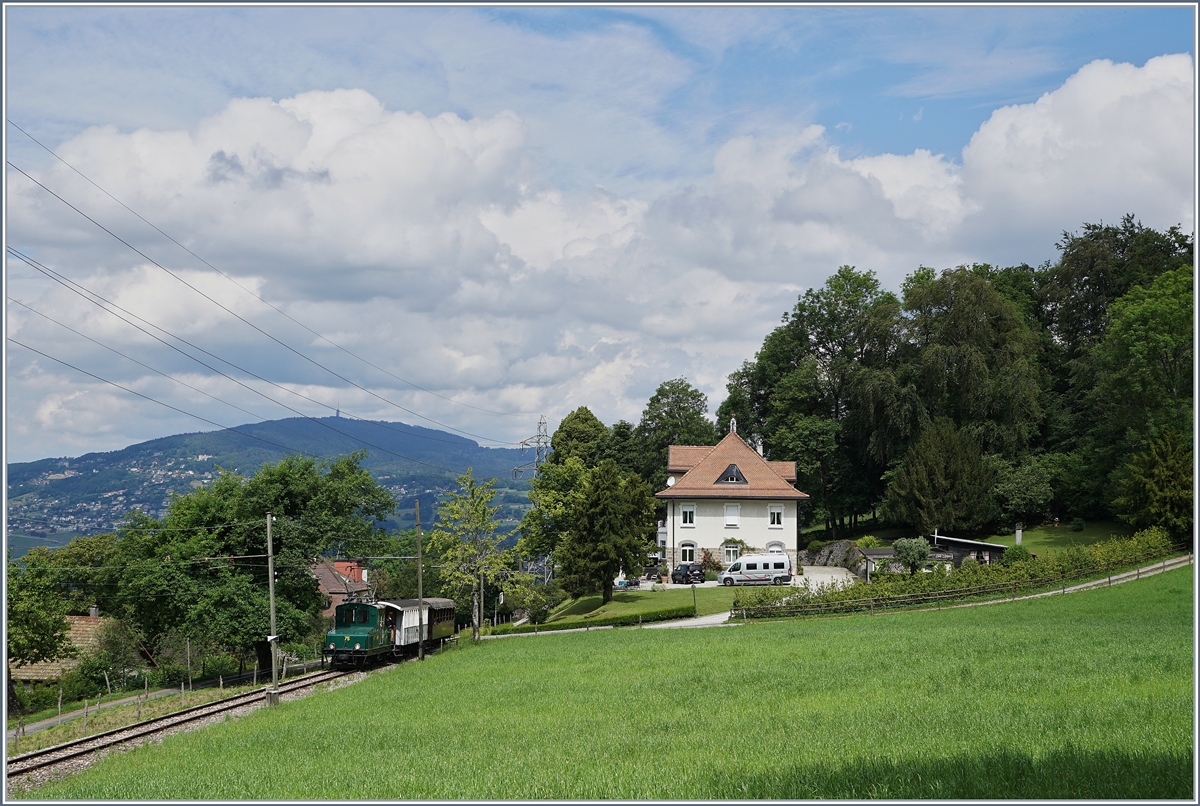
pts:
[365, 631]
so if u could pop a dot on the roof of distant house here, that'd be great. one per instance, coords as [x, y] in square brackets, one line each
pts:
[729, 469]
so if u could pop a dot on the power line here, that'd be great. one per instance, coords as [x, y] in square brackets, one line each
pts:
[73, 286]
[211, 422]
[256, 296]
[91, 296]
[159, 372]
[247, 322]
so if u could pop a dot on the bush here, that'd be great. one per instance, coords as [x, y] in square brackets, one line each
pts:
[869, 542]
[817, 545]
[969, 562]
[1077, 524]
[1016, 554]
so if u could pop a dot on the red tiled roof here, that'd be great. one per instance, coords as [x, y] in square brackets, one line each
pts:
[705, 465]
[84, 634]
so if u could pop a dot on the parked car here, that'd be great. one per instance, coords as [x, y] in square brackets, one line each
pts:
[758, 569]
[687, 573]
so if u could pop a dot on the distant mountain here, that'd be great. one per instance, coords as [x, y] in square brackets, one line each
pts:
[52, 500]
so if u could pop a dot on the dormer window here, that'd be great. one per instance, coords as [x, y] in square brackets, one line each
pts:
[732, 476]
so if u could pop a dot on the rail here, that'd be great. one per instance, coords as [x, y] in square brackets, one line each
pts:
[70, 751]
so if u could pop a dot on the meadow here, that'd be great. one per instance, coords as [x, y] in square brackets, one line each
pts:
[1088, 696]
[708, 601]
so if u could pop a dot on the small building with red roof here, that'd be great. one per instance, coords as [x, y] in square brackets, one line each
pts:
[727, 496]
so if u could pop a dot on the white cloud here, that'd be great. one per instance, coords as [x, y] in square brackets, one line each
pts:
[1115, 138]
[441, 248]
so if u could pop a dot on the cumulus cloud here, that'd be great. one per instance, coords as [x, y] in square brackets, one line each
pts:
[440, 248]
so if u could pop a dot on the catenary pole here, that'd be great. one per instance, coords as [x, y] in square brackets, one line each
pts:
[273, 639]
[420, 592]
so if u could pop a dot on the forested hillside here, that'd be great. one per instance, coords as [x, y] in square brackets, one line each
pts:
[53, 499]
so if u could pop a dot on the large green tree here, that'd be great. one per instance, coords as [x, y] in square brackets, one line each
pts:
[580, 435]
[943, 482]
[676, 414]
[201, 572]
[36, 624]
[1156, 486]
[466, 544]
[615, 522]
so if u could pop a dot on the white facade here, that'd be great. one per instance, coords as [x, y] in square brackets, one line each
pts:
[712, 524]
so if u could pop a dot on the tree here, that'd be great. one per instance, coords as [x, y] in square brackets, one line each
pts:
[1146, 356]
[535, 597]
[37, 628]
[580, 435]
[975, 359]
[1156, 487]
[615, 516]
[1101, 265]
[674, 415]
[465, 542]
[1022, 491]
[175, 576]
[943, 482]
[553, 493]
[912, 552]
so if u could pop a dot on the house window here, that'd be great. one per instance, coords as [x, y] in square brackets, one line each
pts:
[733, 514]
[687, 553]
[775, 548]
[731, 553]
[775, 513]
[687, 514]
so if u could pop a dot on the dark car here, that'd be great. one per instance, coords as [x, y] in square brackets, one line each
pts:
[686, 573]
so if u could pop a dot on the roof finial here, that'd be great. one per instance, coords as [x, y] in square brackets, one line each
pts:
[733, 425]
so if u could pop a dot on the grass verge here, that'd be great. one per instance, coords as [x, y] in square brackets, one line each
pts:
[1083, 696]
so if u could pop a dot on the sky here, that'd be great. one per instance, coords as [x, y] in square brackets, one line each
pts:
[472, 217]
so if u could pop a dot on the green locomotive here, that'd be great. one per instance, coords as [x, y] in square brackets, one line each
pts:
[365, 631]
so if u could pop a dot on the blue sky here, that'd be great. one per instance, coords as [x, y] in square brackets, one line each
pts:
[506, 202]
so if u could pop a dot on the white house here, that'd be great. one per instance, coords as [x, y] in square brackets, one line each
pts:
[719, 497]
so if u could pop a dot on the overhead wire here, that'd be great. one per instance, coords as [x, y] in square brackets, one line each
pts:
[71, 285]
[247, 322]
[211, 422]
[273, 307]
[163, 374]
[91, 296]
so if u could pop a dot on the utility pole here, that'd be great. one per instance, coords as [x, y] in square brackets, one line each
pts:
[273, 638]
[420, 592]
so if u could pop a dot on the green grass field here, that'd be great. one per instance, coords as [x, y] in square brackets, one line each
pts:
[1081, 696]
[1047, 539]
[708, 601]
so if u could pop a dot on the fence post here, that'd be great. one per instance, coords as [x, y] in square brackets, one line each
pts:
[85, 704]
[60, 700]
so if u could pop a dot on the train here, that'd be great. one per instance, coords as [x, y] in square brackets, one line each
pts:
[365, 631]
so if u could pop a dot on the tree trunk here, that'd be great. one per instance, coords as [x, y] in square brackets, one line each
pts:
[607, 591]
[475, 615]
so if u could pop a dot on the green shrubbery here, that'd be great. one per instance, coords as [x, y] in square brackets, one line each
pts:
[1074, 562]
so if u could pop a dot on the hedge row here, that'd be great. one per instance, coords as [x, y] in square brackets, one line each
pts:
[1073, 563]
[627, 620]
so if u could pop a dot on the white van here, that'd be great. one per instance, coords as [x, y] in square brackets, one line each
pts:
[758, 569]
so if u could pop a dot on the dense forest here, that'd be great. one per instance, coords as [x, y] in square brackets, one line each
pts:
[980, 396]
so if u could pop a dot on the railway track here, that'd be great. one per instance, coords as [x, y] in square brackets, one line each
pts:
[31, 769]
